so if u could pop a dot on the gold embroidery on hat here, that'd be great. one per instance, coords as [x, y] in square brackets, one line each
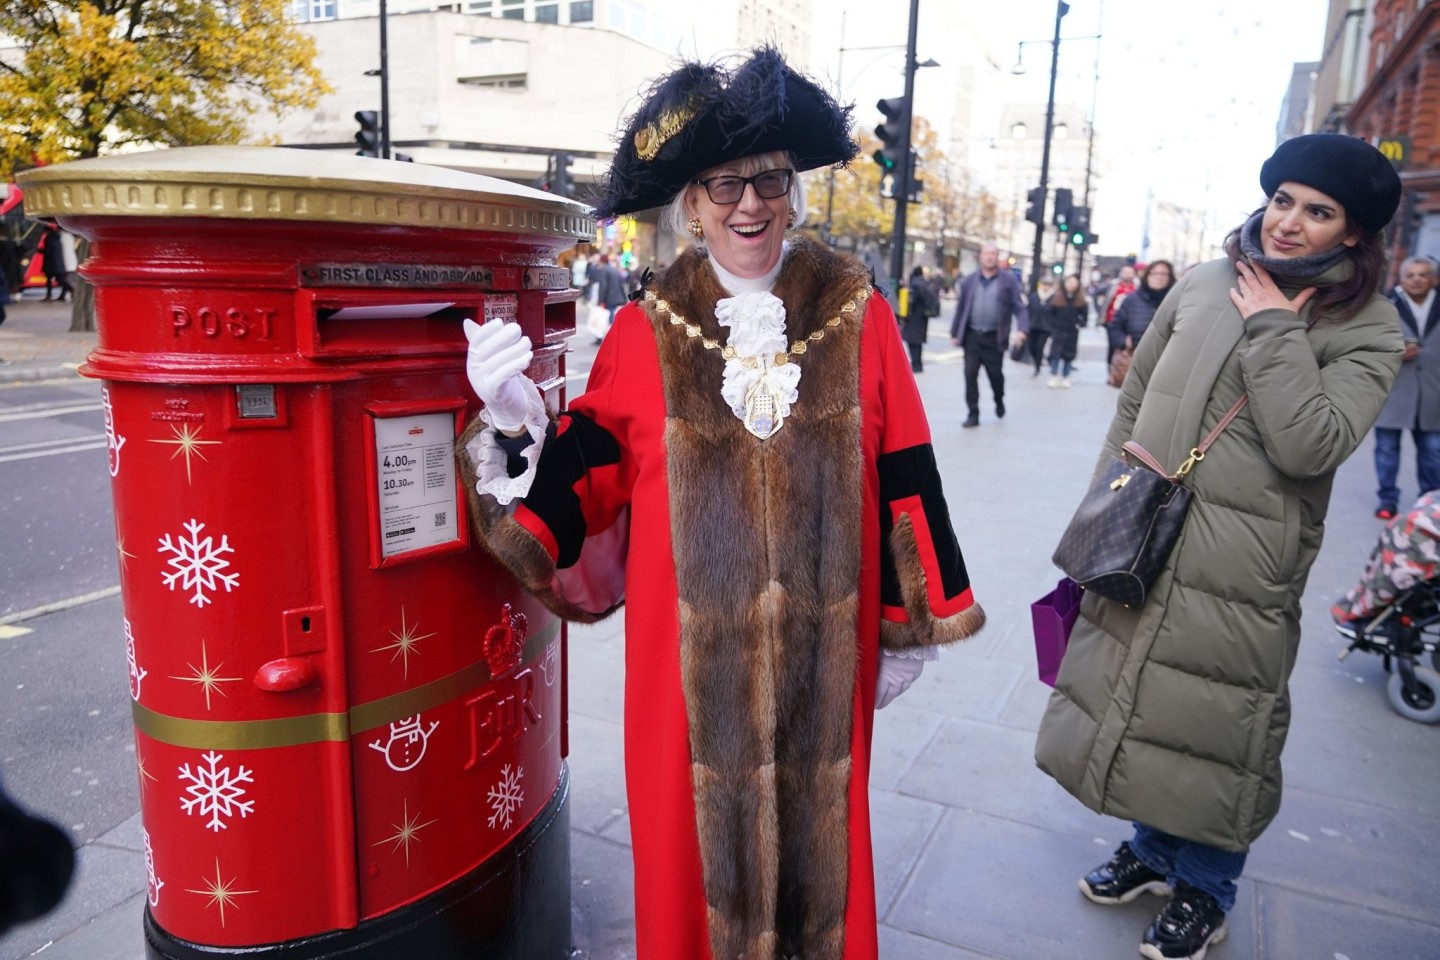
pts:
[651, 137]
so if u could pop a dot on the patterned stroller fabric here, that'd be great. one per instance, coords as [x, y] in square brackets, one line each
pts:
[1408, 553]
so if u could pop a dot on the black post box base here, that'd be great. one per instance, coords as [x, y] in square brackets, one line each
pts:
[515, 906]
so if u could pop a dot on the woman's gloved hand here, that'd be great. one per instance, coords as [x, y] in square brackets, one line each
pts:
[894, 677]
[499, 355]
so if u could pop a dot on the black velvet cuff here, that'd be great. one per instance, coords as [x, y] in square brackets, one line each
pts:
[513, 447]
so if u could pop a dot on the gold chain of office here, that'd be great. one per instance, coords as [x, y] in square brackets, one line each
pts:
[797, 348]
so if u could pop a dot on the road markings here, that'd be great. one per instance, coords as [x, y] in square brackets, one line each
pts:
[8, 632]
[47, 410]
[22, 615]
[32, 454]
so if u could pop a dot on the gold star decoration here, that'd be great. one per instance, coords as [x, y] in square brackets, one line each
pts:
[187, 441]
[207, 676]
[222, 893]
[406, 643]
[405, 833]
[144, 774]
[124, 554]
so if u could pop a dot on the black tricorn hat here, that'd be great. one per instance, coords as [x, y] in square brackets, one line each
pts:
[702, 115]
[1346, 168]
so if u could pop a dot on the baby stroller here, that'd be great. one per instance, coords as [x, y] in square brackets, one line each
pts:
[1395, 610]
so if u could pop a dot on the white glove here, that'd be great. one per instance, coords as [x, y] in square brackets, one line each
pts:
[496, 363]
[894, 677]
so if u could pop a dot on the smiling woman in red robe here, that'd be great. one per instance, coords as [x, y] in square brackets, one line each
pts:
[749, 472]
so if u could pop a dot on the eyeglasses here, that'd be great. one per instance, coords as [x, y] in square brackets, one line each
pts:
[768, 184]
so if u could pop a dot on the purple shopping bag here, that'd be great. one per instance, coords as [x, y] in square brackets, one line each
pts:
[1053, 616]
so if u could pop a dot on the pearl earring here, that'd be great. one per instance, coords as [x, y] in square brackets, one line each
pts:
[695, 229]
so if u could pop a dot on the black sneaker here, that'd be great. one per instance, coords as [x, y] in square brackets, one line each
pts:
[1122, 879]
[1000, 409]
[972, 421]
[1188, 925]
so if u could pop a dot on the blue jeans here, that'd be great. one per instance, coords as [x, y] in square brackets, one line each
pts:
[1055, 364]
[1206, 868]
[1387, 462]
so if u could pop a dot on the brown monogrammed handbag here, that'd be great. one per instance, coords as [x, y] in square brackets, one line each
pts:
[1123, 531]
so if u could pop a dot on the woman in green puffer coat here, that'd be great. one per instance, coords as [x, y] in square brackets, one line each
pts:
[1173, 715]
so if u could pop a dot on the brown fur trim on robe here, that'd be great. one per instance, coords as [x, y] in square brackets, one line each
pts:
[510, 543]
[921, 628]
[768, 566]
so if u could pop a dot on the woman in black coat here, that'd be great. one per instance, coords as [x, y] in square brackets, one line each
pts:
[53, 265]
[1065, 314]
[1039, 328]
[1133, 316]
[924, 304]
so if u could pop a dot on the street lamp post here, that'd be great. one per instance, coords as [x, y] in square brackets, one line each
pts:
[1061, 8]
[902, 182]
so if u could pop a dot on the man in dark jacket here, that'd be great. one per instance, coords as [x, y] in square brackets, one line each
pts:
[609, 286]
[989, 299]
[1414, 402]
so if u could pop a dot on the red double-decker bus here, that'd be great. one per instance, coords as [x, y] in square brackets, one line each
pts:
[22, 241]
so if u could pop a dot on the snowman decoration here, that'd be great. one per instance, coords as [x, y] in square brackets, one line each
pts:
[406, 746]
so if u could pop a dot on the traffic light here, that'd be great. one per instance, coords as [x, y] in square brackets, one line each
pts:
[1080, 227]
[1057, 268]
[367, 138]
[1064, 208]
[563, 184]
[1035, 213]
[914, 180]
[890, 132]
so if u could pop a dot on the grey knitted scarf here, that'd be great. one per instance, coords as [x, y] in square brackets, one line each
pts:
[1295, 268]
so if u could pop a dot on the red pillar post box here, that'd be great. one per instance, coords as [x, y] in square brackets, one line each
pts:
[349, 723]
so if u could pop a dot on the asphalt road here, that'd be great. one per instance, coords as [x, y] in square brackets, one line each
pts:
[65, 742]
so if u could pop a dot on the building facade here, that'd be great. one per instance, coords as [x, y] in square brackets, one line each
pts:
[1399, 109]
[501, 87]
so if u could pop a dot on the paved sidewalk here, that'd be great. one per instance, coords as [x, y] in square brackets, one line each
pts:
[977, 853]
[36, 342]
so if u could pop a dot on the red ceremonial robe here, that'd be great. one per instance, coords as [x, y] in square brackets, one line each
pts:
[761, 577]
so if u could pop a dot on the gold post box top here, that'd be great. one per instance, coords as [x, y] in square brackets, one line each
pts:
[276, 183]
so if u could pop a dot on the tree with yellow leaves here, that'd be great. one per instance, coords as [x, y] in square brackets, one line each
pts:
[88, 77]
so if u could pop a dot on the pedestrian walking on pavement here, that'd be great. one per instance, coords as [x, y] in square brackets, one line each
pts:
[1132, 318]
[752, 448]
[1115, 297]
[990, 300]
[1414, 402]
[1039, 333]
[1065, 314]
[924, 304]
[608, 286]
[1173, 715]
[53, 264]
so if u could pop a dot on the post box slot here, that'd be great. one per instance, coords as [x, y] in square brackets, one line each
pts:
[368, 328]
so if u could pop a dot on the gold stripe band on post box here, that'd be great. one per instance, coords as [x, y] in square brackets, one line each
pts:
[276, 183]
[321, 727]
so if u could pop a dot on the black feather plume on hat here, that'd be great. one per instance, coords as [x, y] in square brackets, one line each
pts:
[700, 115]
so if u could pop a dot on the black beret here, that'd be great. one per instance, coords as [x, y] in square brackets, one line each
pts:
[1345, 168]
[701, 115]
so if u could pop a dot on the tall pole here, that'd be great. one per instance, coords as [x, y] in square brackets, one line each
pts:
[1090, 145]
[902, 181]
[384, 87]
[839, 87]
[1061, 8]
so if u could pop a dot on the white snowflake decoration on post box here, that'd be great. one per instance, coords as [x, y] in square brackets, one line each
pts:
[214, 790]
[198, 563]
[506, 797]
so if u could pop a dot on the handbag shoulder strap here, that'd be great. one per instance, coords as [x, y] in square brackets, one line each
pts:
[1197, 453]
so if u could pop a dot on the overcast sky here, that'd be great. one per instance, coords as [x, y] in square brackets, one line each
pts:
[1188, 96]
